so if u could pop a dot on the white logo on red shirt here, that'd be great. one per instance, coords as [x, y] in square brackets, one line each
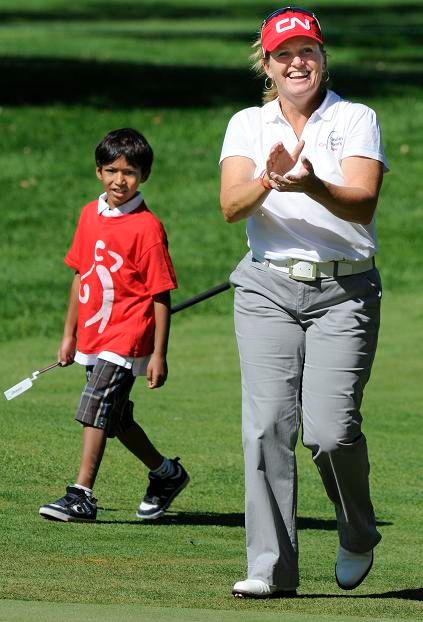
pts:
[105, 275]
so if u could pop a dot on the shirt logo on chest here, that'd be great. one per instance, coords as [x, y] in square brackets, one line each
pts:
[334, 141]
[104, 273]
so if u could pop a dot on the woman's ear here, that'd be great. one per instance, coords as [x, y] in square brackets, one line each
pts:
[266, 68]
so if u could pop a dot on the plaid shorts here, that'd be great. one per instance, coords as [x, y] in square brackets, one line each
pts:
[105, 402]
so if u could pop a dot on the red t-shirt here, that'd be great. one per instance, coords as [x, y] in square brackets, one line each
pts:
[122, 263]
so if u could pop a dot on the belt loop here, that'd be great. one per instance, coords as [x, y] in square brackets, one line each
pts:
[335, 269]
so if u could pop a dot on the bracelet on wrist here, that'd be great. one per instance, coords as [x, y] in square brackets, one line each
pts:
[263, 182]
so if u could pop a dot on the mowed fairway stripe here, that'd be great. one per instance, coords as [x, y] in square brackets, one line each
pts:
[17, 611]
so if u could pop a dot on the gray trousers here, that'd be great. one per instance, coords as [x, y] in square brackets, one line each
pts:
[306, 351]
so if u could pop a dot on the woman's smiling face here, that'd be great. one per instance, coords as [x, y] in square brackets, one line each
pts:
[296, 67]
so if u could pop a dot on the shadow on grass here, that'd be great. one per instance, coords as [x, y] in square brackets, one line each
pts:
[369, 17]
[100, 11]
[40, 81]
[405, 594]
[220, 519]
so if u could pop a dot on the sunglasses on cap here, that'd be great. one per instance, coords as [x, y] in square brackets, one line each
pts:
[285, 9]
[311, 25]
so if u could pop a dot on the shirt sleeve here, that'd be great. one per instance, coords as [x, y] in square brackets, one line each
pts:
[238, 139]
[364, 136]
[156, 268]
[73, 256]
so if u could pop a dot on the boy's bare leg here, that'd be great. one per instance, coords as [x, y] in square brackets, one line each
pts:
[137, 441]
[168, 477]
[93, 444]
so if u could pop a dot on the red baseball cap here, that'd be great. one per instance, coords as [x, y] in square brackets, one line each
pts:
[286, 23]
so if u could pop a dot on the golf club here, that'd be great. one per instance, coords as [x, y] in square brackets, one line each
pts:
[200, 297]
[26, 384]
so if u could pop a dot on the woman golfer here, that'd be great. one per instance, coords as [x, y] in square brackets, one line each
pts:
[305, 171]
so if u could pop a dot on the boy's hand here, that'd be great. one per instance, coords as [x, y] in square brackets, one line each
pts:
[156, 371]
[66, 353]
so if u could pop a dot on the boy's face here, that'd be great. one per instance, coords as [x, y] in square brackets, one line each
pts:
[120, 181]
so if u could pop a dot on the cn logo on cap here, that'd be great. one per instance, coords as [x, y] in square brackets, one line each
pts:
[291, 22]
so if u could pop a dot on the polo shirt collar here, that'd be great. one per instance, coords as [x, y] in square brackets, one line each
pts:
[326, 110]
[125, 208]
[272, 112]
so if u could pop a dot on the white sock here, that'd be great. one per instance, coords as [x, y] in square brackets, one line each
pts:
[88, 491]
[165, 469]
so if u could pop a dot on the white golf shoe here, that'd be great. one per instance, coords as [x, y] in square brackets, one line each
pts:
[255, 588]
[352, 568]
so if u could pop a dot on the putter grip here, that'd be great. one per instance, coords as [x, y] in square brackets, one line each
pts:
[203, 296]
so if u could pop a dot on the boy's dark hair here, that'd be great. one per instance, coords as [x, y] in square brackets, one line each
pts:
[129, 143]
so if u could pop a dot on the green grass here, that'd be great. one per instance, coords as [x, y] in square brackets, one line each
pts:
[16, 611]
[190, 558]
[177, 71]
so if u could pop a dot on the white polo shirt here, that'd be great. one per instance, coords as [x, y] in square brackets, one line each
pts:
[292, 224]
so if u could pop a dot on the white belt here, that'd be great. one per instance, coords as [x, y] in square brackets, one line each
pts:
[301, 270]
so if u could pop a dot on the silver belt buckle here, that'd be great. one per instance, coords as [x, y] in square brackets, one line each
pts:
[302, 270]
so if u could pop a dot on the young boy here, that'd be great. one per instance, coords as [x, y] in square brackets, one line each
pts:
[118, 317]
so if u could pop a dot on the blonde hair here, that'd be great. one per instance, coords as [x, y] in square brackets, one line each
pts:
[257, 59]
